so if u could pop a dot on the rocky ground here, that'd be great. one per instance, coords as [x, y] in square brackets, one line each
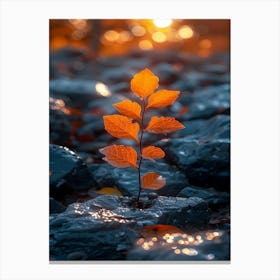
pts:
[189, 218]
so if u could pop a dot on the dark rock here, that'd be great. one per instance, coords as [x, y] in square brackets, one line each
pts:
[55, 206]
[181, 212]
[116, 75]
[126, 179]
[81, 92]
[213, 197]
[67, 172]
[93, 126]
[194, 80]
[166, 73]
[207, 102]
[104, 227]
[66, 62]
[60, 124]
[77, 256]
[215, 68]
[204, 154]
[220, 217]
[92, 148]
[106, 104]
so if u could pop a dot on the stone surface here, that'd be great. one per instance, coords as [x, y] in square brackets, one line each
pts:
[207, 102]
[213, 197]
[55, 206]
[104, 227]
[67, 172]
[203, 154]
[126, 179]
[60, 124]
[80, 92]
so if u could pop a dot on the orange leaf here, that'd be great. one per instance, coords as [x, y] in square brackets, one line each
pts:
[120, 156]
[109, 190]
[144, 83]
[121, 127]
[162, 98]
[160, 229]
[163, 125]
[129, 109]
[152, 152]
[153, 181]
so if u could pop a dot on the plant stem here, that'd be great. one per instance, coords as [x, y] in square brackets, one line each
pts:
[140, 149]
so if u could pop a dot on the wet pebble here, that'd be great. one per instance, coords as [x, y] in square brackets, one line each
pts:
[67, 172]
[203, 153]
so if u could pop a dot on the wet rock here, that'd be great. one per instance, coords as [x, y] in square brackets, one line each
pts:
[213, 197]
[66, 62]
[87, 241]
[126, 179]
[81, 92]
[166, 73]
[105, 104]
[117, 75]
[181, 212]
[67, 172]
[92, 148]
[207, 102]
[55, 206]
[194, 80]
[220, 217]
[104, 227]
[202, 246]
[215, 68]
[94, 125]
[204, 153]
[60, 128]
[77, 256]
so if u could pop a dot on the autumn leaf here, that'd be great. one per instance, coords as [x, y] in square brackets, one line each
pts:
[160, 229]
[163, 125]
[129, 109]
[153, 181]
[152, 152]
[120, 156]
[109, 191]
[144, 83]
[121, 127]
[162, 98]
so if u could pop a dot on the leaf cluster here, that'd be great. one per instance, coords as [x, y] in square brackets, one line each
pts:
[129, 124]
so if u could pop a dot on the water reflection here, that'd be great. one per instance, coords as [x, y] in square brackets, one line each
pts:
[180, 243]
[105, 215]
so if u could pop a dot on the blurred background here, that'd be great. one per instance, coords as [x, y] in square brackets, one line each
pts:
[116, 37]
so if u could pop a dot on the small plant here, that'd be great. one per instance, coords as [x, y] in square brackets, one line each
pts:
[131, 123]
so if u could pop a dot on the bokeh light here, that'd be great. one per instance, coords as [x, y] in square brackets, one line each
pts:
[145, 45]
[205, 43]
[162, 23]
[111, 35]
[159, 37]
[120, 36]
[102, 89]
[138, 30]
[185, 32]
